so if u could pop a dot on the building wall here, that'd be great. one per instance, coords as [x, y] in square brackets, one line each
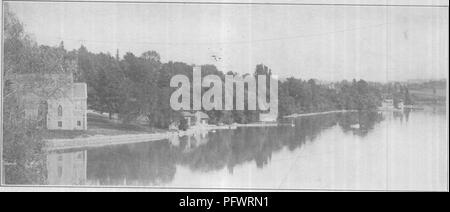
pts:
[72, 97]
[387, 103]
[74, 113]
[201, 118]
[79, 98]
[79, 118]
[53, 118]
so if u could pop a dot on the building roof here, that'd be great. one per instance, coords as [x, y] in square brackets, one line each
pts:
[201, 115]
[197, 114]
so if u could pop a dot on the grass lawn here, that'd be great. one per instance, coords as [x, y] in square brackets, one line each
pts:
[101, 125]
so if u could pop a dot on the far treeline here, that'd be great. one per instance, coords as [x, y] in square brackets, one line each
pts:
[138, 86]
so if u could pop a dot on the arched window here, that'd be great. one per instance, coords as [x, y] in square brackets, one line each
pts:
[60, 110]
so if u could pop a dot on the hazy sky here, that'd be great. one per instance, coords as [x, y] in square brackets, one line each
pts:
[323, 42]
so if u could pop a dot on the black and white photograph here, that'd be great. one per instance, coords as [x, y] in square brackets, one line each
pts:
[251, 95]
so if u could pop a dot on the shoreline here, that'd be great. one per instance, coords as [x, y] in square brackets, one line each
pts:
[295, 115]
[109, 140]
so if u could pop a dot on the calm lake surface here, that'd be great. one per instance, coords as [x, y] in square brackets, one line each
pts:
[378, 150]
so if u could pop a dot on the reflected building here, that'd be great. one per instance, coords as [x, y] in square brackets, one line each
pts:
[174, 140]
[406, 112]
[139, 164]
[199, 138]
[67, 168]
[398, 115]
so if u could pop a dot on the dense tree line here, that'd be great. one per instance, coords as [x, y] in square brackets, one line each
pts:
[138, 86]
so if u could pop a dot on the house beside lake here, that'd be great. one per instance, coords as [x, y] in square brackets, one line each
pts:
[54, 100]
[389, 103]
[197, 118]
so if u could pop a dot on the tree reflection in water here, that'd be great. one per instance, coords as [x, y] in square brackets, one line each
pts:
[154, 163]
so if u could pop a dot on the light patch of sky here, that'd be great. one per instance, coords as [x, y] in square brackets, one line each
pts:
[322, 42]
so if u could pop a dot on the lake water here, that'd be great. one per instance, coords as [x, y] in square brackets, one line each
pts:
[358, 151]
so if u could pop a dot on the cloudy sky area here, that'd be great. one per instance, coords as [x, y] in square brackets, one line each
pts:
[322, 42]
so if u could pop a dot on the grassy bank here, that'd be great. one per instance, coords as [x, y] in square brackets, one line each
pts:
[101, 125]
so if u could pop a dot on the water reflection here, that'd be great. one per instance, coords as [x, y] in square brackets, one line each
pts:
[359, 124]
[66, 168]
[136, 164]
[155, 163]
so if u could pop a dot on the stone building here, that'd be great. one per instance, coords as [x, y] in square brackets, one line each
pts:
[70, 111]
[55, 100]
